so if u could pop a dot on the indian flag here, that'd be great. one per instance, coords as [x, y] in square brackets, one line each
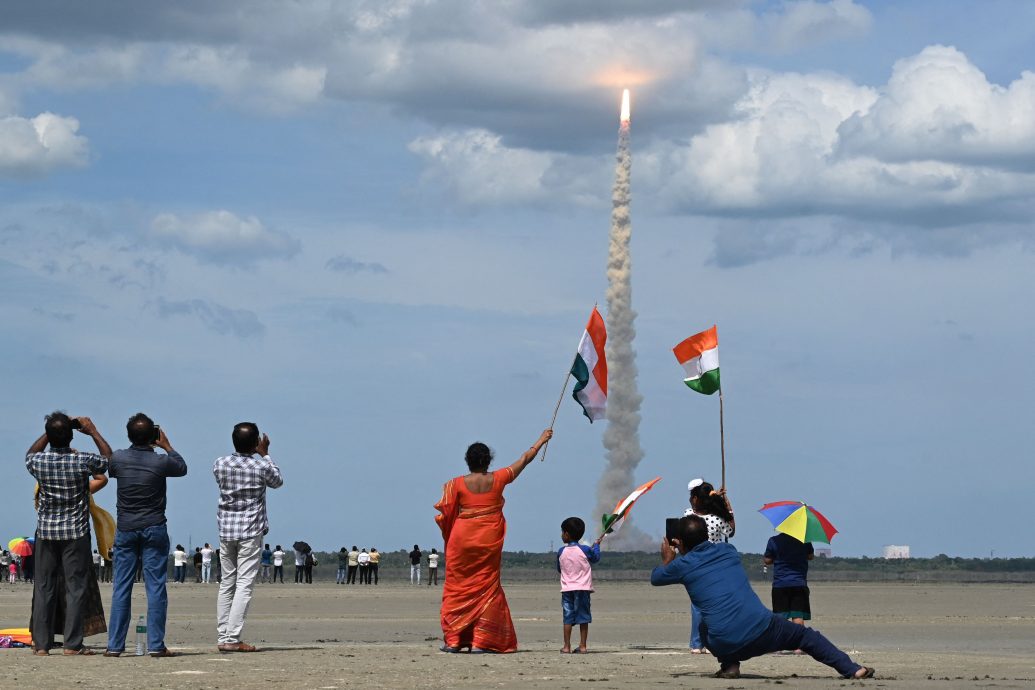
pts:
[699, 355]
[590, 369]
[611, 522]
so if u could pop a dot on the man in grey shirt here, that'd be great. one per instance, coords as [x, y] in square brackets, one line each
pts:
[141, 534]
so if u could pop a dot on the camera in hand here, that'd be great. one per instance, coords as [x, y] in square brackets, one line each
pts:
[76, 424]
[157, 435]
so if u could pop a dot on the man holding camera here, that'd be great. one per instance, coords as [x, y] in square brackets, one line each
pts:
[243, 479]
[737, 625]
[141, 536]
[63, 529]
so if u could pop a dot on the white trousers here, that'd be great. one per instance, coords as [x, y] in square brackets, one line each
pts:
[414, 574]
[239, 559]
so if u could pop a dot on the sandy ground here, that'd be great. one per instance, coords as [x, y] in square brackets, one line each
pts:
[325, 636]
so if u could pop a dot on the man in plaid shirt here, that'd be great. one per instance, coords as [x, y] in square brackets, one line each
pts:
[242, 479]
[66, 478]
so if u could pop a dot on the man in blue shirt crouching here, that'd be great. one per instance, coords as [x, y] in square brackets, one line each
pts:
[737, 626]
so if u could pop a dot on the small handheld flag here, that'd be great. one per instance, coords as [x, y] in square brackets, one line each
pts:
[613, 521]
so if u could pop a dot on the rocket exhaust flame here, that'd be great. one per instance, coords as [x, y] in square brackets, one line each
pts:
[621, 436]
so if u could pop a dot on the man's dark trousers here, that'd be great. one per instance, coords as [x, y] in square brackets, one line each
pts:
[73, 559]
[783, 635]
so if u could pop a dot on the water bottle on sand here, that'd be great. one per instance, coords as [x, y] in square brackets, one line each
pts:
[141, 634]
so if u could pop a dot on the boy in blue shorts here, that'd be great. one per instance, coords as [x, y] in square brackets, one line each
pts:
[574, 563]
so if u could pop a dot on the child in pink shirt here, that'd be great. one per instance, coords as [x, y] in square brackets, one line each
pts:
[574, 563]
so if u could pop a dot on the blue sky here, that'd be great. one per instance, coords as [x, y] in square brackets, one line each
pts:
[377, 228]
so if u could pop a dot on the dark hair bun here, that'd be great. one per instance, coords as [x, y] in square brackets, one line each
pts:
[478, 457]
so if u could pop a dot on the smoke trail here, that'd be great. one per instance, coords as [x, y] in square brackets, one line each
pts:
[621, 437]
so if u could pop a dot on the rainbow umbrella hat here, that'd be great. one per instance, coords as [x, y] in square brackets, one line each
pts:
[803, 522]
[20, 546]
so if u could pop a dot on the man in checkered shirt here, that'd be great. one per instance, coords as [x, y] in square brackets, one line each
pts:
[66, 478]
[242, 479]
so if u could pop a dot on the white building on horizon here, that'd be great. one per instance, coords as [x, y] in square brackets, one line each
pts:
[892, 551]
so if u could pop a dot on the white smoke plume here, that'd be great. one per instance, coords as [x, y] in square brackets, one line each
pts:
[622, 435]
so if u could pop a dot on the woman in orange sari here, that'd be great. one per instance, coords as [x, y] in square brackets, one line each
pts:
[475, 614]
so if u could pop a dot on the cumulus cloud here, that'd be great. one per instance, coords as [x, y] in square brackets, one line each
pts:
[347, 264]
[223, 237]
[38, 145]
[241, 323]
[939, 106]
[808, 144]
[809, 22]
[234, 73]
[478, 169]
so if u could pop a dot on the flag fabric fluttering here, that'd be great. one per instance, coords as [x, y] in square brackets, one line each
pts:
[613, 521]
[590, 369]
[699, 355]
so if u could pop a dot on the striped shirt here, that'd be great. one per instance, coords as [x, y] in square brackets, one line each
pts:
[242, 481]
[64, 502]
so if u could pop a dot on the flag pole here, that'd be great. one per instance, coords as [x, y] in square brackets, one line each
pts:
[722, 440]
[556, 409]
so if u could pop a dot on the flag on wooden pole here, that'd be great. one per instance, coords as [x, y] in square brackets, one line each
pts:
[699, 355]
[590, 369]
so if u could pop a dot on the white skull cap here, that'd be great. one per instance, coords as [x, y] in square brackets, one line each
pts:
[694, 483]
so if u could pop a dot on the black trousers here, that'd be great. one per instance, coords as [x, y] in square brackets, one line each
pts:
[373, 571]
[364, 574]
[309, 574]
[432, 575]
[351, 578]
[278, 570]
[299, 573]
[72, 559]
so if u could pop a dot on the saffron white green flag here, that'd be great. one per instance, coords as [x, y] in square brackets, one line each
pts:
[611, 522]
[699, 355]
[590, 369]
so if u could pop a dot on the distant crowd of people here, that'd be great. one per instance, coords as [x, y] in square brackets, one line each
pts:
[16, 567]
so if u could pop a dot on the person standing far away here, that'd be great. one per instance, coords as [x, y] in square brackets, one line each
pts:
[310, 562]
[243, 479]
[364, 567]
[109, 564]
[433, 567]
[141, 535]
[714, 508]
[63, 528]
[197, 564]
[97, 560]
[206, 563]
[267, 562]
[179, 564]
[299, 567]
[415, 557]
[474, 612]
[790, 560]
[375, 564]
[738, 626]
[343, 566]
[217, 566]
[278, 564]
[353, 565]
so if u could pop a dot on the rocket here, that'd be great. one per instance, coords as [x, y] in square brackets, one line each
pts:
[624, 117]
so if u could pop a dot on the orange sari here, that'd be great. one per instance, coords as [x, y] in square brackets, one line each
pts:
[474, 607]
